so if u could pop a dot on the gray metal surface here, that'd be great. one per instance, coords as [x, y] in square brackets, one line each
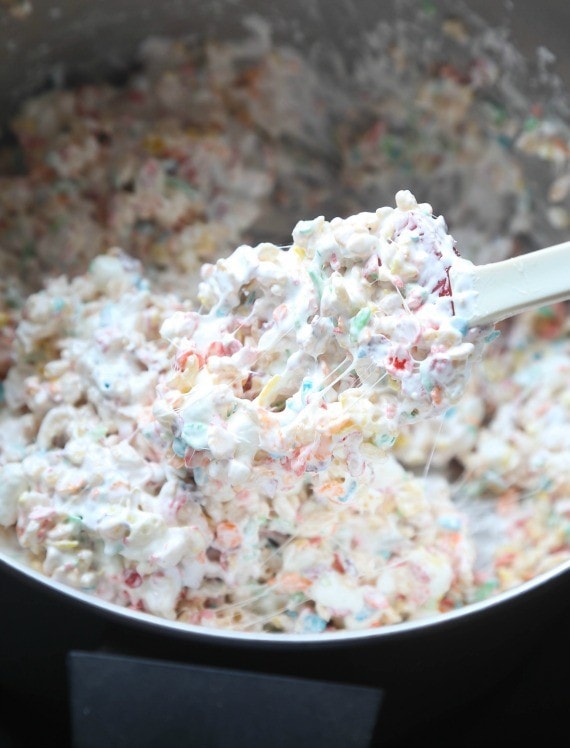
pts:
[66, 40]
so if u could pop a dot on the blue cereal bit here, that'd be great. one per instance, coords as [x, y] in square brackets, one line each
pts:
[384, 440]
[179, 446]
[505, 141]
[425, 376]
[306, 388]
[2, 394]
[313, 624]
[305, 227]
[58, 305]
[292, 614]
[113, 548]
[363, 614]
[449, 522]
[460, 324]
[195, 434]
[493, 335]
[107, 315]
[546, 484]
[349, 492]
[450, 412]
[199, 475]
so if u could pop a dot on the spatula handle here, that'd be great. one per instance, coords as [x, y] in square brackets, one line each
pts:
[503, 289]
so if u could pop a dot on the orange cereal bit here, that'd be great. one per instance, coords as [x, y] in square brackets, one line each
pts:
[376, 600]
[445, 605]
[507, 502]
[332, 489]
[505, 559]
[291, 581]
[228, 536]
[280, 312]
[436, 396]
[549, 321]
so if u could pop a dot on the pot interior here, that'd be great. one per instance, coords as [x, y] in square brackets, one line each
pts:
[352, 50]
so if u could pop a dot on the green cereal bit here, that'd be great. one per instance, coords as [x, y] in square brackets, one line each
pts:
[28, 251]
[485, 590]
[175, 183]
[501, 115]
[57, 223]
[391, 147]
[317, 282]
[359, 321]
[531, 123]
[99, 432]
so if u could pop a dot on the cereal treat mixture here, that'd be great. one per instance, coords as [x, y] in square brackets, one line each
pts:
[220, 414]
[304, 355]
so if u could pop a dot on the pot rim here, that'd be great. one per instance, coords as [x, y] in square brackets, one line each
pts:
[222, 635]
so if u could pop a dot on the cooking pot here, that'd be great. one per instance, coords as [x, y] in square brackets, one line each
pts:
[425, 665]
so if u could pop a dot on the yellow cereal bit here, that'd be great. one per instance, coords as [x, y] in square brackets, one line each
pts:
[341, 425]
[507, 578]
[204, 246]
[25, 126]
[298, 251]
[4, 319]
[184, 381]
[159, 253]
[154, 144]
[267, 394]
[394, 384]
[401, 441]
[65, 545]
[455, 29]
[268, 252]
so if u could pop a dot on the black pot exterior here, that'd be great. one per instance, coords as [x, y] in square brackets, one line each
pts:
[423, 672]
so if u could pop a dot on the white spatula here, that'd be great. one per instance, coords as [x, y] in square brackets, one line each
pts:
[503, 289]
